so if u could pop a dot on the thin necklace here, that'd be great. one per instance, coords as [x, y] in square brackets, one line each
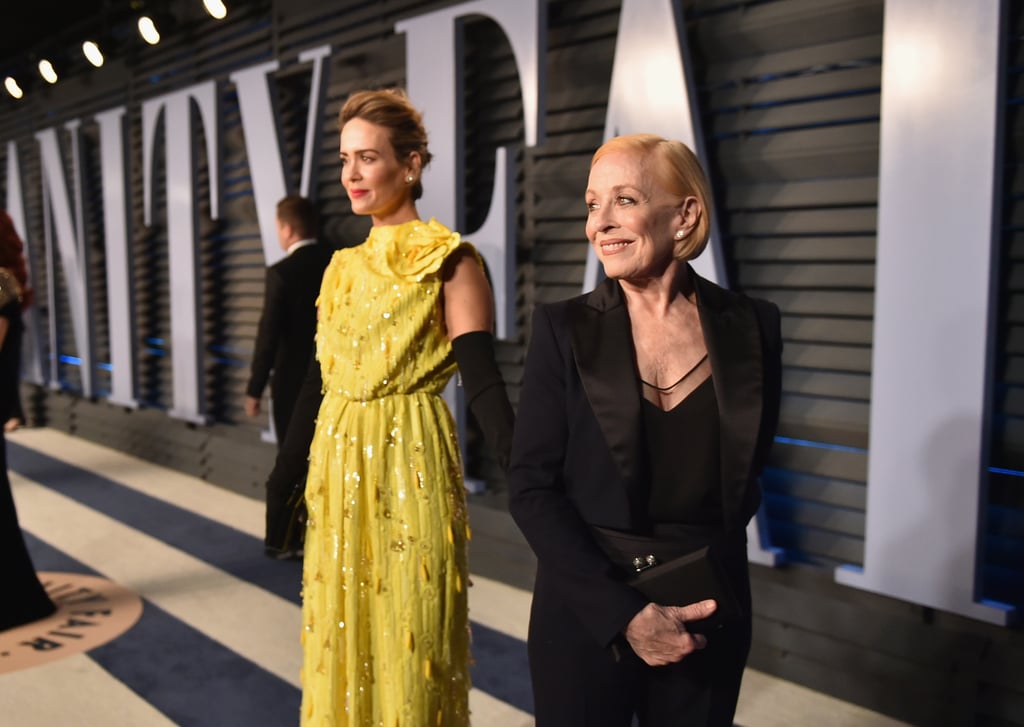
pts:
[681, 378]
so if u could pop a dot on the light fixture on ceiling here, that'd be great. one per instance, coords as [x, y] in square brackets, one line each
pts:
[92, 52]
[13, 88]
[148, 31]
[216, 8]
[47, 71]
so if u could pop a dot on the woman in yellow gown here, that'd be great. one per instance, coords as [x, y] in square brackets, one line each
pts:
[385, 618]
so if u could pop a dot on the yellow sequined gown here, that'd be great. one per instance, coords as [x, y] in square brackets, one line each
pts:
[385, 623]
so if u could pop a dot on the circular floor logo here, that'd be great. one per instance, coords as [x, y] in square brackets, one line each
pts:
[90, 611]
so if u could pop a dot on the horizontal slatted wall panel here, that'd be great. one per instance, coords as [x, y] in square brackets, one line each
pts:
[789, 95]
[1003, 573]
[1005, 561]
[95, 251]
[39, 265]
[581, 44]
[151, 281]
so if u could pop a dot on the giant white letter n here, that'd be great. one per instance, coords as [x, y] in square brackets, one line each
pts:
[183, 228]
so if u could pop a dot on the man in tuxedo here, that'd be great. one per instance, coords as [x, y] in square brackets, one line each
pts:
[285, 342]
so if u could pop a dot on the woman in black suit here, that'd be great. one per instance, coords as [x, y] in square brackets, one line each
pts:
[647, 411]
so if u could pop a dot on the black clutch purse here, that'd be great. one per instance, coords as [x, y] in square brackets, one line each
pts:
[670, 576]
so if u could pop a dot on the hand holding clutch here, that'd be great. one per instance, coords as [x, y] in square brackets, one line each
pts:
[688, 579]
[658, 634]
[669, 577]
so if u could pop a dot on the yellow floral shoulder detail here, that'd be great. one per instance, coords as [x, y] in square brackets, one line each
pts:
[416, 249]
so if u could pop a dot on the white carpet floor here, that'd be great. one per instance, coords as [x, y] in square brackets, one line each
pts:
[213, 604]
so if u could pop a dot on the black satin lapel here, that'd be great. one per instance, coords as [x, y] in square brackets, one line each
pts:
[733, 340]
[602, 344]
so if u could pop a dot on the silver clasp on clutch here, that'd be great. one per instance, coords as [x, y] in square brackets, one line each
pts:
[643, 562]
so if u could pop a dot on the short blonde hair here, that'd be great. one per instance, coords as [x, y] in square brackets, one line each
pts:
[678, 171]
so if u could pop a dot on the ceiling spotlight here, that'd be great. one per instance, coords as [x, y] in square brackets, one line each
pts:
[92, 52]
[148, 31]
[47, 72]
[13, 88]
[216, 8]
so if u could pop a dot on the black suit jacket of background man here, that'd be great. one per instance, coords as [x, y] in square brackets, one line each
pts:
[287, 329]
[578, 456]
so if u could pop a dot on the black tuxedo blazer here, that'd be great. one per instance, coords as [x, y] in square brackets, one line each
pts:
[287, 329]
[578, 456]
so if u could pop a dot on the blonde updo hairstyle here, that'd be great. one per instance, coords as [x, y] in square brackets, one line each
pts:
[679, 173]
[392, 109]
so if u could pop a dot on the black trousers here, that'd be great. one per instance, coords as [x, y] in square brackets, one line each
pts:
[285, 506]
[282, 531]
[577, 682]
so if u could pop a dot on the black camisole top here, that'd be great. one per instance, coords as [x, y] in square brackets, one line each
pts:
[683, 455]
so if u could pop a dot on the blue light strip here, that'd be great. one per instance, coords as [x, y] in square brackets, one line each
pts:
[858, 450]
[820, 445]
[1004, 471]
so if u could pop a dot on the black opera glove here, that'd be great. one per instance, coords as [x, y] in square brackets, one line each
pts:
[485, 390]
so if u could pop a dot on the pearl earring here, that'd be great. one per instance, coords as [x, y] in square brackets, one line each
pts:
[410, 179]
[680, 234]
